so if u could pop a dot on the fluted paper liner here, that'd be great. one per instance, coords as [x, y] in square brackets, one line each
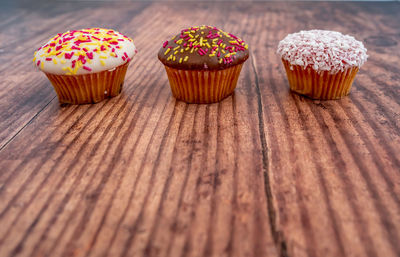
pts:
[323, 85]
[88, 88]
[198, 86]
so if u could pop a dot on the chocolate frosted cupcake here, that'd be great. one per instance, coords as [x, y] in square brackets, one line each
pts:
[321, 64]
[203, 63]
[86, 66]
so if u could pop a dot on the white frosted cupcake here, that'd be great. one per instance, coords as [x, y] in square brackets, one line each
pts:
[321, 64]
[86, 66]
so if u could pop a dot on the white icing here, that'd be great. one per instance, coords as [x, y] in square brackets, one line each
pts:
[323, 50]
[95, 64]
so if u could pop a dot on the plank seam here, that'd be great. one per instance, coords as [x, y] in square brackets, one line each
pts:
[23, 127]
[279, 240]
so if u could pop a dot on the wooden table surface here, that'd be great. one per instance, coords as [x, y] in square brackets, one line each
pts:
[265, 172]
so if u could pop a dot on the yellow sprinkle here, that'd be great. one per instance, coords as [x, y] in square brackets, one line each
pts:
[208, 45]
[181, 50]
[174, 58]
[223, 51]
[63, 61]
[201, 41]
[173, 37]
[220, 61]
[42, 65]
[233, 41]
[246, 47]
[176, 52]
[54, 61]
[103, 57]
[68, 73]
[211, 55]
[187, 48]
[192, 39]
[176, 48]
[112, 54]
[89, 61]
[167, 51]
[191, 51]
[169, 58]
[34, 59]
[190, 35]
[102, 62]
[186, 58]
[180, 60]
[64, 68]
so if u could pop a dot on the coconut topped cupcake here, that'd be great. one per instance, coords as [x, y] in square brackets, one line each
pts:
[203, 48]
[84, 51]
[322, 50]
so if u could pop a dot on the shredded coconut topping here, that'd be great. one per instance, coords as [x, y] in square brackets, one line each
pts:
[322, 50]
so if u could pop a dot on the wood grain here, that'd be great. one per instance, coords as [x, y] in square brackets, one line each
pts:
[265, 172]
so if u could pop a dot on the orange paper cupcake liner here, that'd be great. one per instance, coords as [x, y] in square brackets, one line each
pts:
[88, 88]
[197, 86]
[323, 85]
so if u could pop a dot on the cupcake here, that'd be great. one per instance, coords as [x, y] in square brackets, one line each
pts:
[321, 64]
[86, 66]
[203, 63]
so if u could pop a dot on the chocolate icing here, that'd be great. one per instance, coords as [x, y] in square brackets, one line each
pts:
[203, 48]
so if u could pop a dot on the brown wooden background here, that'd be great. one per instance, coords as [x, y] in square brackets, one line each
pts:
[263, 173]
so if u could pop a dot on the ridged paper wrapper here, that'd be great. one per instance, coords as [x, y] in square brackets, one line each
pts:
[203, 86]
[319, 85]
[88, 88]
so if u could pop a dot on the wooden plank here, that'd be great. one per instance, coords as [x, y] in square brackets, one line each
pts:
[263, 173]
[140, 174]
[334, 164]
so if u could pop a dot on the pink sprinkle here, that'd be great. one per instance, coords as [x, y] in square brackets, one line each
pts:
[113, 50]
[73, 64]
[201, 51]
[76, 48]
[219, 54]
[113, 43]
[165, 44]
[58, 48]
[125, 55]
[96, 38]
[136, 51]
[123, 58]
[102, 48]
[82, 59]
[38, 63]
[68, 56]
[48, 59]
[52, 44]
[58, 53]
[128, 59]
[120, 39]
[89, 55]
[86, 68]
[84, 49]
[48, 51]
